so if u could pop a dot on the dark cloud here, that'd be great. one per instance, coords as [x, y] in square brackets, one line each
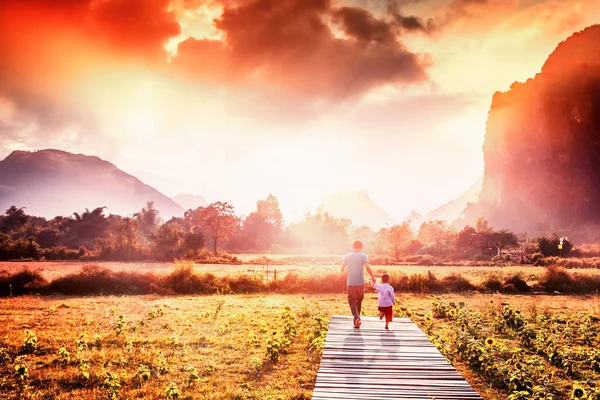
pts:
[447, 15]
[361, 25]
[289, 44]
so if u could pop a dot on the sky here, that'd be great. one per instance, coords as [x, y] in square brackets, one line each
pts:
[238, 99]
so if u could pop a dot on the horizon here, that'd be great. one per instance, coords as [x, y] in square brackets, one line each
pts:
[389, 99]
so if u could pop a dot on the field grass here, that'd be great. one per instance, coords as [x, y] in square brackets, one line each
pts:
[53, 270]
[223, 347]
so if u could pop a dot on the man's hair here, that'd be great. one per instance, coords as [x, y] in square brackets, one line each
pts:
[385, 278]
[357, 244]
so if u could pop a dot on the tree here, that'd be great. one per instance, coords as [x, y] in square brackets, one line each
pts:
[166, 241]
[504, 238]
[437, 235]
[148, 218]
[320, 232]
[87, 227]
[219, 218]
[466, 239]
[126, 234]
[193, 241]
[269, 211]
[397, 238]
[13, 218]
[482, 226]
[485, 238]
[261, 229]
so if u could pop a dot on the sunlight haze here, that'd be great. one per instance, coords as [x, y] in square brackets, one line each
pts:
[189, 117]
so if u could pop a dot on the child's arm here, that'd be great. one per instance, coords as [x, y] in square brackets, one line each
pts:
[393, 295]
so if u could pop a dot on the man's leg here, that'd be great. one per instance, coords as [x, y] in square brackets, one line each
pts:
[352, 301]
[360, 295]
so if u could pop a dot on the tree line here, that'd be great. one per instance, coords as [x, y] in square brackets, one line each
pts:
[216, 228]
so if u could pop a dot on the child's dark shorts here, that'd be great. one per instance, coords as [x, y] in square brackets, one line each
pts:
[388, 312]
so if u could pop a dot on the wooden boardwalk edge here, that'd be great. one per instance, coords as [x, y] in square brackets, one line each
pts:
[373, 363]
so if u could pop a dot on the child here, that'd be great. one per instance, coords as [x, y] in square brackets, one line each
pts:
[385, 299]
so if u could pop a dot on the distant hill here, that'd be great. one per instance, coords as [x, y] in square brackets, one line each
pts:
[53, 182]
[190, 201]
[453, 209]
[542, 145]
[358, 207]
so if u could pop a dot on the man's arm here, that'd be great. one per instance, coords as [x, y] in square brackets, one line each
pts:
[370, 272]
[343, 268]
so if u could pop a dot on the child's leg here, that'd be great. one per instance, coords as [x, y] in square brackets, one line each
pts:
[389, 312]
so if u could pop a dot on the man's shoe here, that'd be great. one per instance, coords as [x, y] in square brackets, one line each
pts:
[357, 323]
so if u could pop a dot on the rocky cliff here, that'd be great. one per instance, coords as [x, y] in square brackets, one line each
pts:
[542, 144]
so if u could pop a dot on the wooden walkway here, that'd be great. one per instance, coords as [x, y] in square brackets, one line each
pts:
[372, 363]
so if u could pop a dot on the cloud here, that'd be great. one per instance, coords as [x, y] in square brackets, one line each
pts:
[52, 49]
[361, 25]
[291, 45]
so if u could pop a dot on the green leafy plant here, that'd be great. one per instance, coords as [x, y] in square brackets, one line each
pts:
[30, 343]
[172, 391]
[63, 355]
[112, 385]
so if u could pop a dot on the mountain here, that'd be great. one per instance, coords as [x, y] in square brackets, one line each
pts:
[542, 144]
[53, 182]
[358, 207]
[452, 210]
[190, 201]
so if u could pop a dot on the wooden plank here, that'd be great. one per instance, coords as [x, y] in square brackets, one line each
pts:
[373, 363]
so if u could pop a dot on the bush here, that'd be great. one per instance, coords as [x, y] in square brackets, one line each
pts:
[535, 257]
[94, 280]
[246, 284]
[549, 246]
[399, 281]
[428, 261]
[455, 283]
[498, 260]
[493, 284]
[481, 257]
[24, 282]
[185, 281]
[555, 278]
[515, 283]
[59, 253]
[334, 283]
[422, 283]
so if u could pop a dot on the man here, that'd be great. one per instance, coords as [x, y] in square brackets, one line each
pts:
[355, 263]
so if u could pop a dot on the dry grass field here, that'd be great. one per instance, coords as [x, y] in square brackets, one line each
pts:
[252, 347]
[53, 270]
